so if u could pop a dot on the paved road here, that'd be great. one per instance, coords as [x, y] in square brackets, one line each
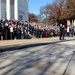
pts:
[46, 59]
[7, 43]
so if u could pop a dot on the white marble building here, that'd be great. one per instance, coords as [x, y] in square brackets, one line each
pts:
[14, 9]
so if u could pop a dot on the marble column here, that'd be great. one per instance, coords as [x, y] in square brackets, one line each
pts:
[0, 9]
[16, 9]
[8, 9]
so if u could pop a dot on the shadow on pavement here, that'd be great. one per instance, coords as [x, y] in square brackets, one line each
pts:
[31, 45]
[33, 63]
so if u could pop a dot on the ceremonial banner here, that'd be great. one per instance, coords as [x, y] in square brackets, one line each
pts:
[74, 25]
[68, 23]
[74, 22]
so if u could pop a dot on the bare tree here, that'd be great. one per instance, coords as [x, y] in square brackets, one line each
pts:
[59, 10]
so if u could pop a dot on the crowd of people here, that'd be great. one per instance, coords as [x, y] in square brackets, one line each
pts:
[12, 29]
[22, 30]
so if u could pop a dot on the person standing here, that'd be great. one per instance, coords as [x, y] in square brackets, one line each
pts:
[11, 32]
[15, 31]
[61, 31]
[0, 32]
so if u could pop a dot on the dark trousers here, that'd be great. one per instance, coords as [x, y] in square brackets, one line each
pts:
[11, 35]
[63, 36]
[60, 36]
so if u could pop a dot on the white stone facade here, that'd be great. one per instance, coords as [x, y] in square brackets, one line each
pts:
[14, 9]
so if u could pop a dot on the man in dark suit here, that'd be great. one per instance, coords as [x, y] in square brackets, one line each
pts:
[61, 31]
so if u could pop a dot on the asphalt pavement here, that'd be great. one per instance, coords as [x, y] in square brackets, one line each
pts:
[10, 43]
[47, 56]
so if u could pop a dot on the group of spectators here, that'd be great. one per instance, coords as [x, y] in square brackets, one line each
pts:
[11, 29]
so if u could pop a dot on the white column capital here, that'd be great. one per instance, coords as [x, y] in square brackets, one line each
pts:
[8, 9]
